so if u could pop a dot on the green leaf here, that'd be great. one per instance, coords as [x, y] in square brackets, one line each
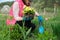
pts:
[27, 33]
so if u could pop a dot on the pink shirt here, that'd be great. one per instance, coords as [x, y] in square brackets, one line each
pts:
[15, 12]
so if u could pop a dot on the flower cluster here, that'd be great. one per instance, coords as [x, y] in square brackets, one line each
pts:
[28, 10]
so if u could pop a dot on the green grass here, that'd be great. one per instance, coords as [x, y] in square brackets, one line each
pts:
[4, 30]
[52, 29]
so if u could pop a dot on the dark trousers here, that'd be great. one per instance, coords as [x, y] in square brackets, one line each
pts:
[27, 24]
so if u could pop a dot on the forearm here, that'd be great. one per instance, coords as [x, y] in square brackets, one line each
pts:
[36, 14]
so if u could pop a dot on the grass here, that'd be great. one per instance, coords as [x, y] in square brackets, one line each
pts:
[4, 30]
[52, 29]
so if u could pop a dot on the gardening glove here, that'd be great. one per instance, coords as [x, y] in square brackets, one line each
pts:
[26, 19]
[40, 19]
[41, 29]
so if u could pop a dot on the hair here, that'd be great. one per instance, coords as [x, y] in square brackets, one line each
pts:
[25, 2]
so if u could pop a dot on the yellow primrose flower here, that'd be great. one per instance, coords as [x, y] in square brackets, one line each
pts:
[28, 10]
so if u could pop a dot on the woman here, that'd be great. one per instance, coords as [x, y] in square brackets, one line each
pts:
[16, 12]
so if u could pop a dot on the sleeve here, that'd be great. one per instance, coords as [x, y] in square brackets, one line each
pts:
[16, 10]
